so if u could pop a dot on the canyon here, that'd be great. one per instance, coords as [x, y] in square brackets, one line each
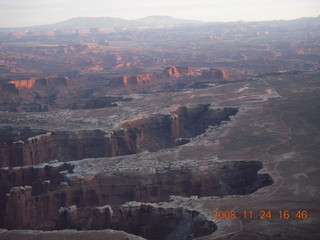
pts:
[23, 147]
[133, 130]
[38, 205]
[39, 192]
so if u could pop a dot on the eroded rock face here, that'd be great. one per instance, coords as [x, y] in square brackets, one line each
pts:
[33, 94]
[94, 193]
[21, 147]
[216, 74]
[101, 217]
[38, 179]
[138, 80]
[154, 132]
[89, 194]
[156, 222]
[178, 71]
[41, 83]
[196, 119]
[132, 80]
[49, 204]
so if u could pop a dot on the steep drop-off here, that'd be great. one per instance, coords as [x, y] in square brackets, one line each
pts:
[178, 71]
[216, 74]
[156, 222]
[41, 83]
[40, 195]
[22, 147]
[132, 80]
[39, 202]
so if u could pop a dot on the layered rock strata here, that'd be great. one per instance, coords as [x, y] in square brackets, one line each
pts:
[216, 74]
[132, 80]
[67, 200]
[41, 82]
[22, 147]
[154, 221]
[178, 71]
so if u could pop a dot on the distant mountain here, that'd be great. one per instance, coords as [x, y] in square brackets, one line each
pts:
[107, 22]
[164, 20]
[90, 22]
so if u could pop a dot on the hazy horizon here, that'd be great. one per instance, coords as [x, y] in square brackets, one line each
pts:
[20, 13]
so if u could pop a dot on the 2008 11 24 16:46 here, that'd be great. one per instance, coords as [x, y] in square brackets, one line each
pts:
[263, 214]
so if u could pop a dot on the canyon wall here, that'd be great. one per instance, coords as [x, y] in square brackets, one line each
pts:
[138, 80]
[216, 74]
[155, 222]
[40, 195]
[132, 80]
[178, 71]
[43, 206]
[41, 82]
[152, 133]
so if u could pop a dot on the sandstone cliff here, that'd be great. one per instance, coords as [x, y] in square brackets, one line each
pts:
[153, 132]
[132, 80]
[67, 200]
[178, 71]
[216, 74]
[41, 82]
[159, 222]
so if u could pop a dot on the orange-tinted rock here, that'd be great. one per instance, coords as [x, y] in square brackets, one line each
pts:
[41, 82]
[178, 71]
[132, 80]
[24, 83]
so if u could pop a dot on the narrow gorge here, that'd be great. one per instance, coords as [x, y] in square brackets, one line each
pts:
[48, 183]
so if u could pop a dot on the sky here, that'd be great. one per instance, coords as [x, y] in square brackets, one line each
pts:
[20, 13]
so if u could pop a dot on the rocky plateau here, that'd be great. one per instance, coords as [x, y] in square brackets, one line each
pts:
[138, 131]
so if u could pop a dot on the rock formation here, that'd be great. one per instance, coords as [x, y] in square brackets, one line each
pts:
[40, 195]
[216, 74]
[68, 199]
[101, 217]
[137, 80]
[132, 80]
[157, 222]
[41, 82]
[178, 71]
[26, 147]
[21, 147]
[154, 166]
[24, 83]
